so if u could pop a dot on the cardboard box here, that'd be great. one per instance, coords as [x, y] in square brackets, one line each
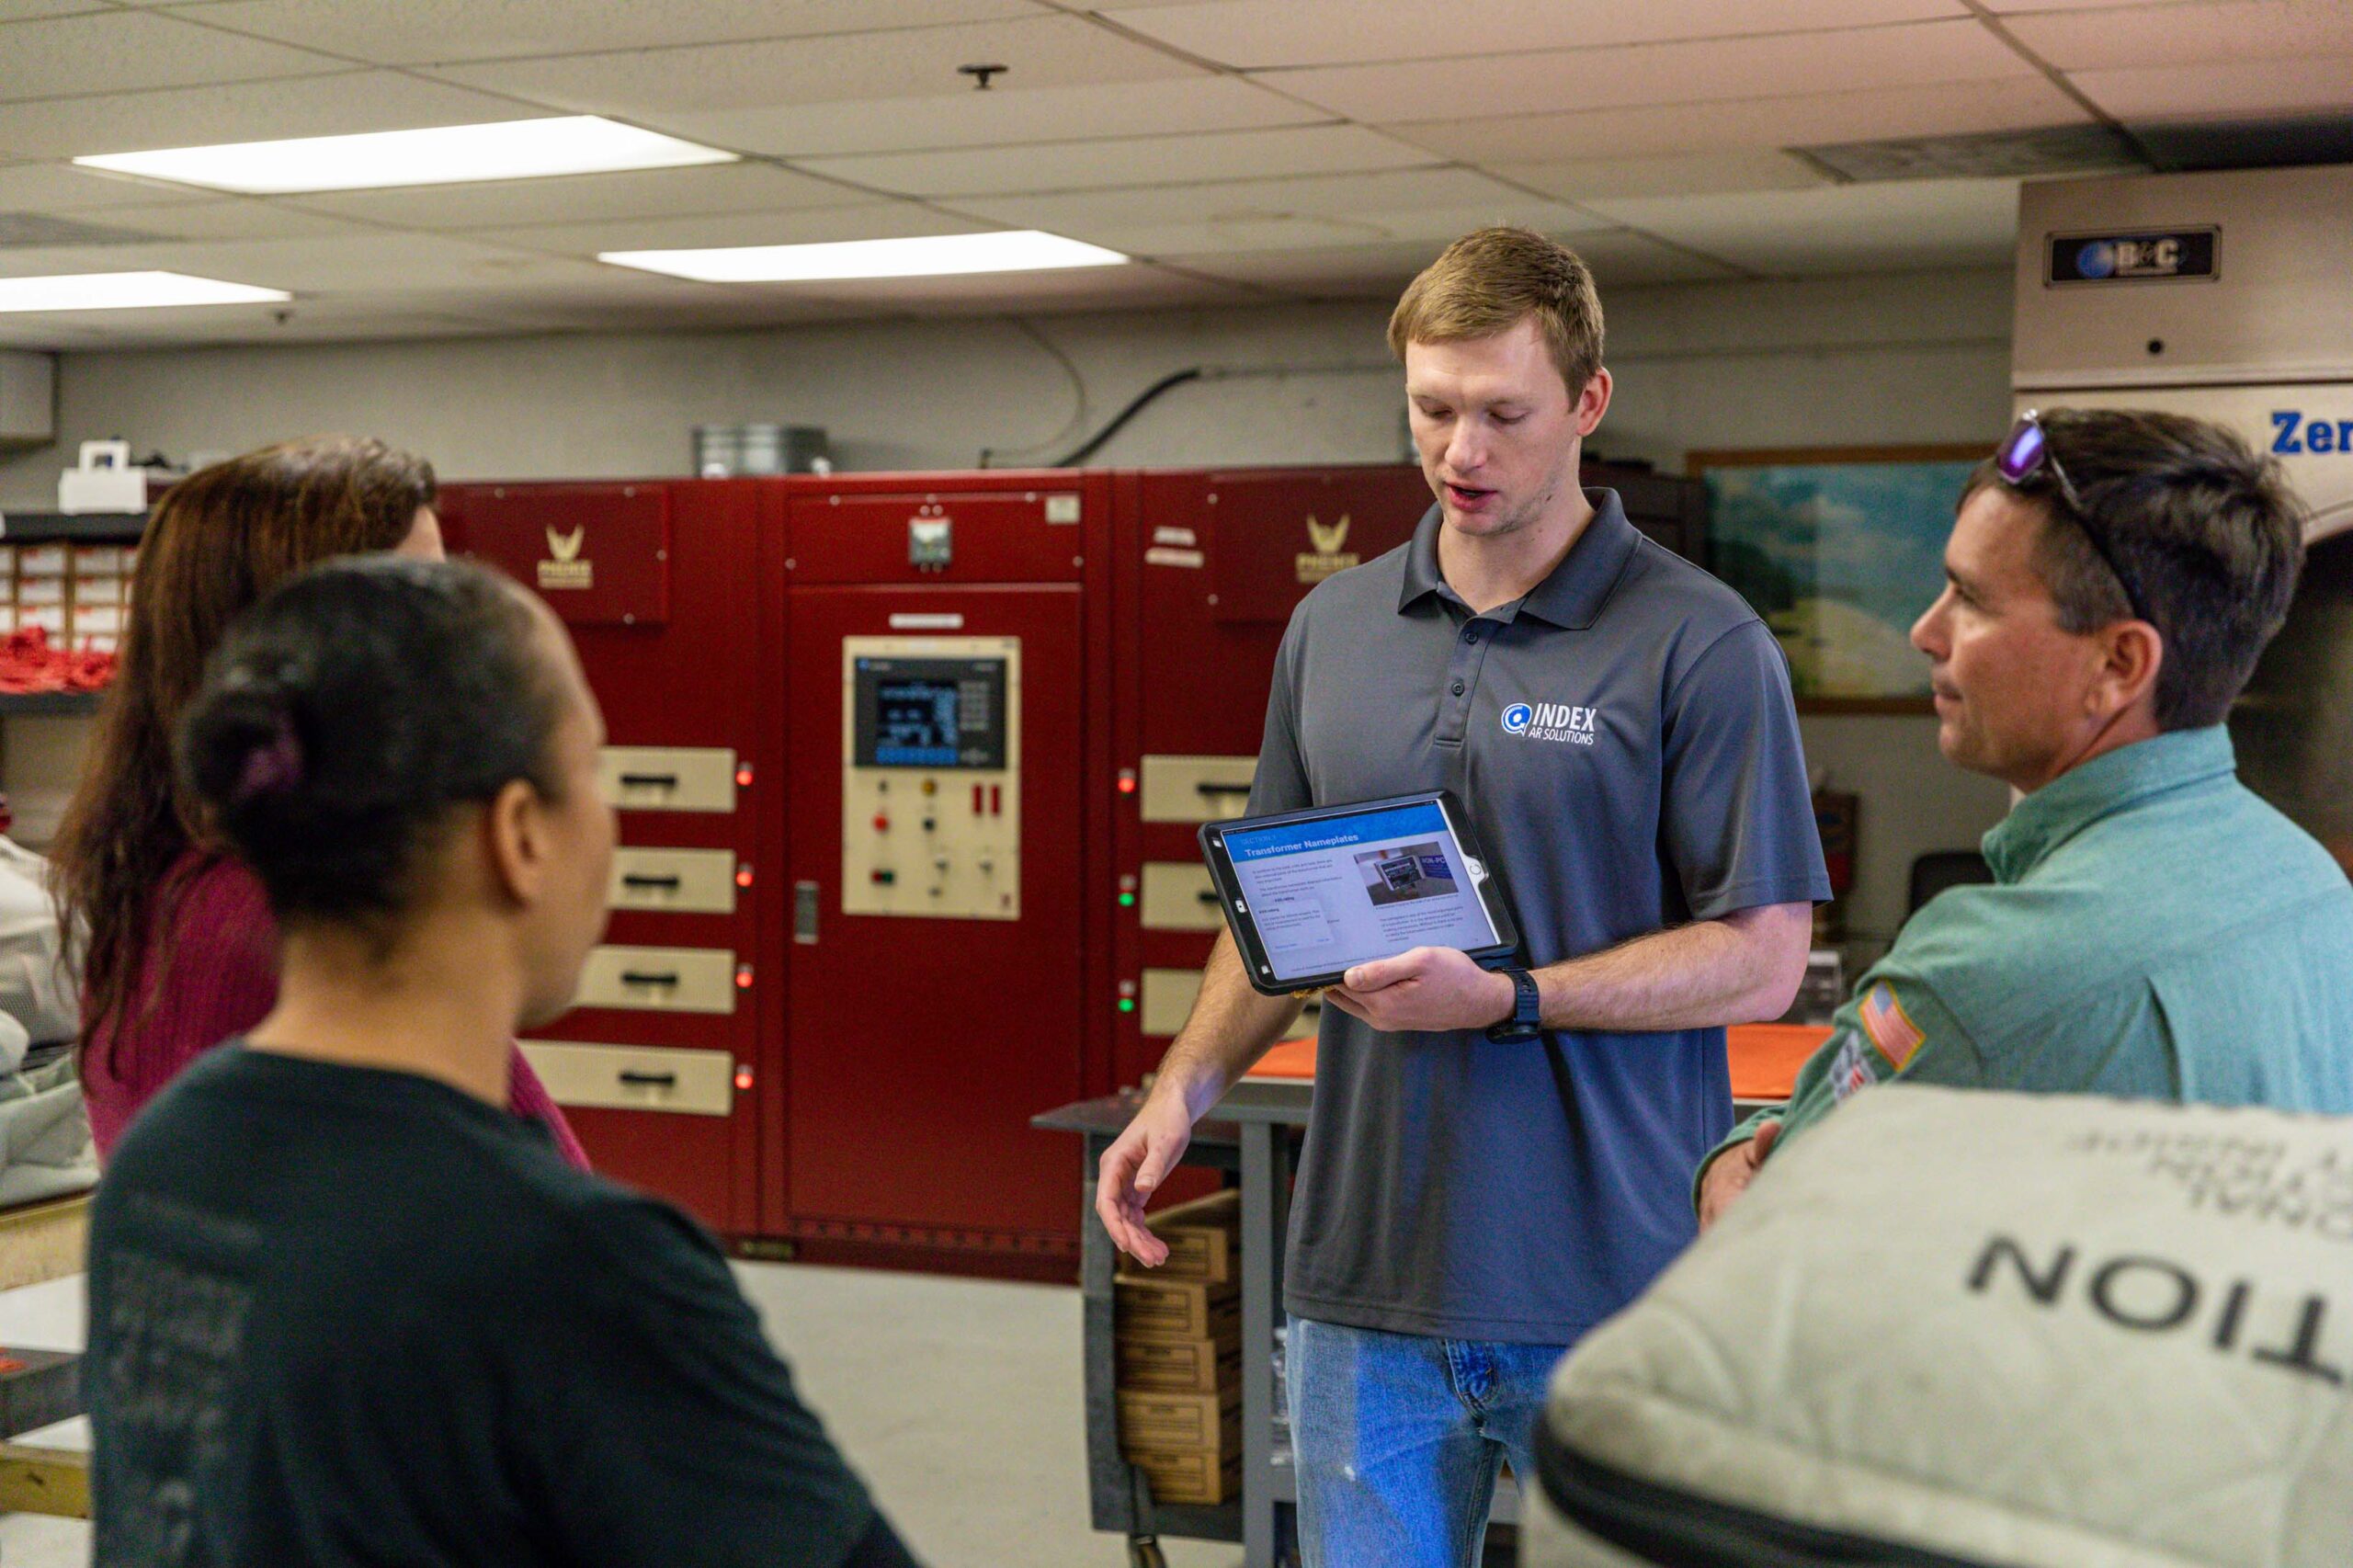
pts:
[1204, 1240]
[1167, 1310]
[1193, 1366]
[1154, 1423]
[41, 561]
[49, 617]
[97, 621]
[41, 591]
[97, 561]
[103, 592]
[1196, 1477]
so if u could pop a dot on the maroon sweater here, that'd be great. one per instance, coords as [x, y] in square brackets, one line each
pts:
[222, 979]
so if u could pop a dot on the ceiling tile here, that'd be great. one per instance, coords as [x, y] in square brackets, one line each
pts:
[1132, 160]
[1000, 116]
[250, 111]
[2013, 7]
[875, 221]
[1257, 34]
[1371, 205]
[1882, 226]
[2017, 104]
[1039, 52]
[1554, 81]
[2189, 35]
[2222, 88]
[646, 193]
[120, 52]
[1684, 174]
[419, 32]
[62, 187]
[235, 218]
[24, 10]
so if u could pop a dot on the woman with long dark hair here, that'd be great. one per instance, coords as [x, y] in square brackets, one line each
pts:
[178, 948]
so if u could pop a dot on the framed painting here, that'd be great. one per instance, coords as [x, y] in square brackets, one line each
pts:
[1839, 549]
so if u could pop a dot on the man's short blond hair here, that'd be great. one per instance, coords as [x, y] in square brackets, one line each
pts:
[1490, 281]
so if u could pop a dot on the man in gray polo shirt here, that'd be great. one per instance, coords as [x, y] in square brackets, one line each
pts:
[1498, 1162]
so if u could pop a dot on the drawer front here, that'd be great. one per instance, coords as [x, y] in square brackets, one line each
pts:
[667, 778]
[634, 1077]
[1196, 788]
[1168, 996]
[682, 881]
[661, 980]
[1178, 896]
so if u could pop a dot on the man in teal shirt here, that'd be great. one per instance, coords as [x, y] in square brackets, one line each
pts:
[2154, 928]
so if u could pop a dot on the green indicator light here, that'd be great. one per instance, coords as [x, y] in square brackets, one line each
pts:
[1127, 900]
[1127, 1004]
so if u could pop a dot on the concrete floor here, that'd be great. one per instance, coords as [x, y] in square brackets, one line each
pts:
[957, 1399]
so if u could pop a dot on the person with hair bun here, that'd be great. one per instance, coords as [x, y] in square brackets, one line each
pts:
[176, 943]
[344, 1306]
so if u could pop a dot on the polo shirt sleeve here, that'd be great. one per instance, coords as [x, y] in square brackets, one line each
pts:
[1280, 784]
[1736, 815]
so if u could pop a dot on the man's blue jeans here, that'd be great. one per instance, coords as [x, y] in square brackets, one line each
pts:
[1397, 1438]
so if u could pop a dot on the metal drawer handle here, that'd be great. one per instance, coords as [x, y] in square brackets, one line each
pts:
[638, 881]
[634, 977]
[1211, 895]
[1209, 789]
[650, 1080]
[649, 780]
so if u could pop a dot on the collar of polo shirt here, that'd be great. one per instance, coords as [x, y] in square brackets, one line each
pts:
[1576, 590]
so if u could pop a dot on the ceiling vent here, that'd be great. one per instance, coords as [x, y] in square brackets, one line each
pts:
[26, 231]
[1999, 155]
[2248, 143]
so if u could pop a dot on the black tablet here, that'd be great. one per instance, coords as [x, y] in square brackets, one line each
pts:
[1310, 894]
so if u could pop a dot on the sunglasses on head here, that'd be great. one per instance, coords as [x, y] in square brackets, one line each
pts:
[2025, 454]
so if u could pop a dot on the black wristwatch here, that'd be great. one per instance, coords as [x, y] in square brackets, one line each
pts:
[1525, 1011]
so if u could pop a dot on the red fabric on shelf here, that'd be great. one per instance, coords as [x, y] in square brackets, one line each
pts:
[219, 980]
[27, 664]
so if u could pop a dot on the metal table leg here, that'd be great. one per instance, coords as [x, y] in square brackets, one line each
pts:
[1266, 1203]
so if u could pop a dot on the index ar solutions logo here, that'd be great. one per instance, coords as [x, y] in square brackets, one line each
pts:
[1552, 722]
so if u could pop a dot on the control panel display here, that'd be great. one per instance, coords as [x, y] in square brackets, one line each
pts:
[931, 776]
[930, 712]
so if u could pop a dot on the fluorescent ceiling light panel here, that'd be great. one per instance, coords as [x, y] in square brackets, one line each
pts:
[447, 154]
[128, 291]
[929, 256]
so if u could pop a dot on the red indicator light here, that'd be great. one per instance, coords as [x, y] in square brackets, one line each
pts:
[743, 977]
[1127, 784]
[743, 1078]
[743, 777]
[743, 876]
[882, 823]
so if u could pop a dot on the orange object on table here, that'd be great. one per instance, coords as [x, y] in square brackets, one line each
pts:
[1293, 1059]
[1765, 1058]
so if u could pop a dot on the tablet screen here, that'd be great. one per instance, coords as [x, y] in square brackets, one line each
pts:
[1342, 890]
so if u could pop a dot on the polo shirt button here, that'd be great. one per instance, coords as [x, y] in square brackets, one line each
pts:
[1470, 634]
[1458, 689]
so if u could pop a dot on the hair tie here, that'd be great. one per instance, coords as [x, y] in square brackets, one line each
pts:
[274, 767]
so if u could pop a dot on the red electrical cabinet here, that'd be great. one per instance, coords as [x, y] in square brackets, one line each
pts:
[940, 645]
[657, 1065]
[1213, 563]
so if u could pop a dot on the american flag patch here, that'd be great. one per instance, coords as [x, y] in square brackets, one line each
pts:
[1890, 1029]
